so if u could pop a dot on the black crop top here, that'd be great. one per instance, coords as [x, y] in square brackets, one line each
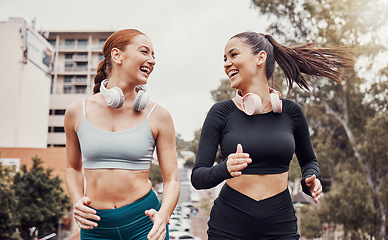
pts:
[271, 139]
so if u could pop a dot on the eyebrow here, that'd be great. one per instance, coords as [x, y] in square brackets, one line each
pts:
[142, 45]
[231, 50]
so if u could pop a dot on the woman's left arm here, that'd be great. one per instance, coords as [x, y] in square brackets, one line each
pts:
[167, 158]
[304, 151]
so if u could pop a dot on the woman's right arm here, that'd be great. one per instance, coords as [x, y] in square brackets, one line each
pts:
[204, 175]
[74, 175]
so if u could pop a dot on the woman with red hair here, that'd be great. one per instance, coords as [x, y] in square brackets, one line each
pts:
[110, 140]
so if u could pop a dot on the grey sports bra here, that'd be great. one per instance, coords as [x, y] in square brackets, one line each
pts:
[132, 149]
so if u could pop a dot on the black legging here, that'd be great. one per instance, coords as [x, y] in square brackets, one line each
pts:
[239, 217]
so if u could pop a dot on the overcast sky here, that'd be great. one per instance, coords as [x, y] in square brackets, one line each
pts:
[188, 37]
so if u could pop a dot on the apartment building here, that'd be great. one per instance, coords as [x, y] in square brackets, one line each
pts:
[25, 77]
[78, 54]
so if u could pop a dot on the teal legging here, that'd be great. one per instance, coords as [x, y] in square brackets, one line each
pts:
[125, 223]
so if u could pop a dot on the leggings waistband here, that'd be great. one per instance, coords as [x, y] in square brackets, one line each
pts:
[129, 213]
[280, 202]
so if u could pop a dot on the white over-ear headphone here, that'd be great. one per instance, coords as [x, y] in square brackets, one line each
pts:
[114, 97]
[141, 100]
[251, 103]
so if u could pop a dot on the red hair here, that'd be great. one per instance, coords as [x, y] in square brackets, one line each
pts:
[119, 40]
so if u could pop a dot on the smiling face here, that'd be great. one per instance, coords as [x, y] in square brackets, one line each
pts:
[137, 59]
[240, 64]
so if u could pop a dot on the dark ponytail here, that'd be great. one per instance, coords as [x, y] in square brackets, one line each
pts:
[119, 40]
[307, 58]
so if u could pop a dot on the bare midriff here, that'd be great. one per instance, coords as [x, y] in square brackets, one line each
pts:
[259, 187]
[114, 188]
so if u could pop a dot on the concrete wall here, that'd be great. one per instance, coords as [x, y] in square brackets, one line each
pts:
[24, 91]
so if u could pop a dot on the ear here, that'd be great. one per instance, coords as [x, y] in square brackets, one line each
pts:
[261, 57]
[116, 55]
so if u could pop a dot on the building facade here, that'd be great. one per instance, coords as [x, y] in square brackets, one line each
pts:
[41, 74]
[25, 77]
[77, 57]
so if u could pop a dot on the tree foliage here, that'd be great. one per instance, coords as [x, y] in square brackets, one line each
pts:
[41, 201]
[155, 175]
[181, 144]
[223, 92]
[348, 121]
[9, 219]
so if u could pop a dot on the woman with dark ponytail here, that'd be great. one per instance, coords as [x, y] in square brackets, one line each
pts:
[110, 140]
[258, 134]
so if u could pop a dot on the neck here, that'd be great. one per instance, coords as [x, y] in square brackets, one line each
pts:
[261, 89]
[125, 85]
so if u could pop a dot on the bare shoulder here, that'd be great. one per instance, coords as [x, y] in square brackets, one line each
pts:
[161, 118]
[74, 111]
[161, 113]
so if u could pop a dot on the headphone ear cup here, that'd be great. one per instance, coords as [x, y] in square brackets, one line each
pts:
[117, 97]
[114, 97]
[141, 101]
[276, 102]
[251, 104]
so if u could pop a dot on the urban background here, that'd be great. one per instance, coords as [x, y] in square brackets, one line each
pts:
[42, 71]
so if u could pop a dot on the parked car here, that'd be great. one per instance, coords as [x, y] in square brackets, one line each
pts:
[182, 235]
[182, 225]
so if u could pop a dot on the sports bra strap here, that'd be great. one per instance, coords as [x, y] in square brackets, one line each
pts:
[83, 106]
[152, 109]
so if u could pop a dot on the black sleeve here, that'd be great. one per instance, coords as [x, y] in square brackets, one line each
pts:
[205, 174]
[303, 149]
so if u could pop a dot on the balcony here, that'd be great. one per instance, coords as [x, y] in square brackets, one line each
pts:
[73, 48]
[97, 47]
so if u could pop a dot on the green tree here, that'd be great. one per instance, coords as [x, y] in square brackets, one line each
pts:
[181, 144]
[155, 175]
[311, 226]
[340, 116]
[352, 194]
[223, 92]
[195, 141]
[9, 219]
[189, 162]
[41, 201]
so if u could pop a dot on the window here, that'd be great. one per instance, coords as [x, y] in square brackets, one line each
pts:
[68, 56]
[59, 145]
[80, 89]
[59, 111]
[52, 42]
[82, 66]
[100, 57]
[67, 89]
[101, 42]
[67, 79]
[69, 43]
[82, 43]
[59, 129]
[68, 67]
[81, 79]
[82, 56]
